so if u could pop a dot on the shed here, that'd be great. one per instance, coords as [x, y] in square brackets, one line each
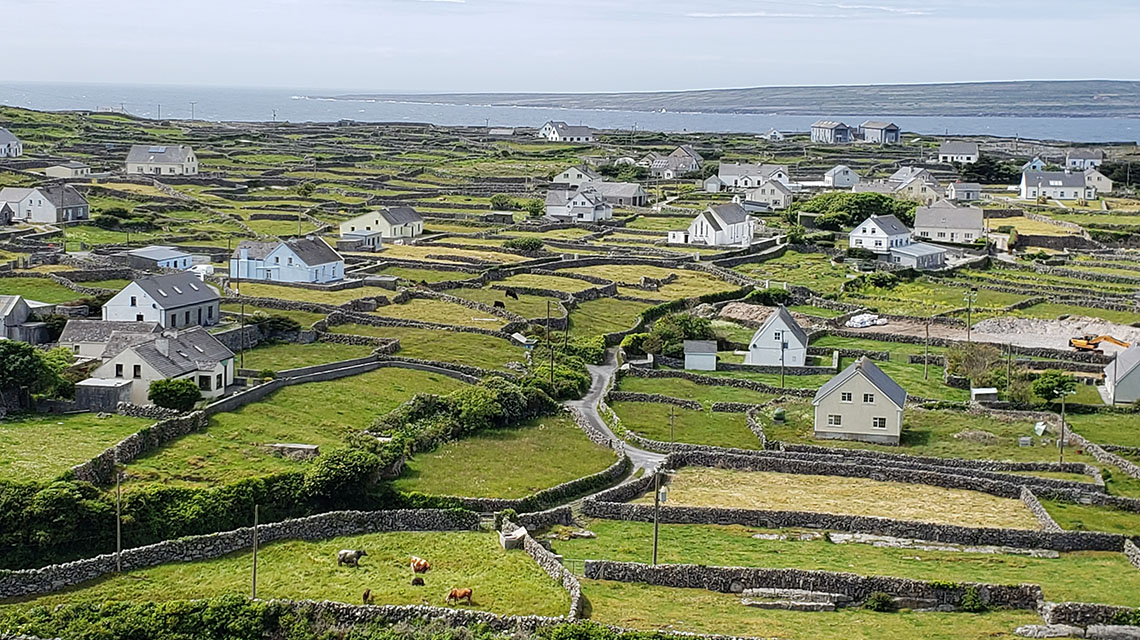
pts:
[700, 355]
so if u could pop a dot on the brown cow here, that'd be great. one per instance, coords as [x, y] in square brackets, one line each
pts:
[419, 565]
[368, 599]
[459, 594]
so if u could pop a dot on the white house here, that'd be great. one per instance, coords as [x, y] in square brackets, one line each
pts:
[880, 132]
[306, 259]
[1081, 159]
[175, 300]
[840, 177]
[192, 354]
[879, 234]
[684, 159]
[167, 160]
[1122, 376]
[905, 174]
[772, 135]
[945, 222]
[919, 255]
[700, 355]
[780, 340]
[860, 403]
[964, 191]
[960, 152]
[720, 225]
[584, 205]
[771, 193]
[393, 224]
[159, 257]
[48, 204]
[68, 170]
[10, 145]
[830, 132]
[1056, 185]
[738, 176]
[89, 338]
[576, 176]
[18, 319]
[557, 131]
[1097, 180]
[622, 194]
[1036, 164]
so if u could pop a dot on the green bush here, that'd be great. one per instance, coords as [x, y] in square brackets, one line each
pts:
[274, 324]
[879, 601]
[882, 279]
[506, 515]
[632, 343]
[502, 202]
[524, 244]
[770, 297]
[972, 602]
[859, 253]
[179, 394]
[535, 208]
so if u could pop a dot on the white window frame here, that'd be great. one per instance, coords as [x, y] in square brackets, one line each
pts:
[845, 397]
[834, 420]
[868, 398]
[878, 422]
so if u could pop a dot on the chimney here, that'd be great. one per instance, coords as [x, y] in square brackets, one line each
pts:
[162, 345]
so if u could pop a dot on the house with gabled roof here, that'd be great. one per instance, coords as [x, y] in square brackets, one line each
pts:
[946, 222]
[558, 131]
[879, 234]
[47, 204]
[860, 403]
[174, 301]
[10, 145]
[158, 257]
[721, 225]
[162, 159]
[393, 223]
[88, 337]
[578, 205]
[1056, 185]
[780, 340]
[577, 176]
[881, 132]
[307, 259]
[1097, 180]
[957, 151]
[700, 355]
[964, 191]
[191, 354]
[840, 177]
[67, 170]
[619, 194]
[1036, 164]
[831, 132]
[771, 194]
[737, 176]
[1122, 376]
[18, 319]
[1081, 159]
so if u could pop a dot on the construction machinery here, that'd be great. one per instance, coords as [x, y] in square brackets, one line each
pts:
[1091, 342]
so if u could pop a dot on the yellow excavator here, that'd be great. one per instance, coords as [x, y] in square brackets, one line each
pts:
[1091, 342]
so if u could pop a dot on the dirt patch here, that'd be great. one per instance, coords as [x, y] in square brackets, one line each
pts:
[1023, 332]
[754, 315]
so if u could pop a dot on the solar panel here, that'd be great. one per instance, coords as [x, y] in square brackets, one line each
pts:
[158, 150]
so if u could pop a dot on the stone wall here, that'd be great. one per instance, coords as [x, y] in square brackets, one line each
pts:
[715, 381]
[101, 468]
[1047, 522]
[1082, 614]
[326, 525]
[632, 396]
[1132, 552]
[552, 565]
[233, 338]
[563, 515]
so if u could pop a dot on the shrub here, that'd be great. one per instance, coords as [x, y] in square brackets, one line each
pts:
[24, 366]
[879, 601]
[274, 324]
[633, 343]
[506, 515]
[770, 297]
[178, 394]
[972, 602]
[535, 207]
[1052, 384]
[859, 253]
[524, 244]
[501, 202]
[338, 475]
[882, 279]
[267, 374]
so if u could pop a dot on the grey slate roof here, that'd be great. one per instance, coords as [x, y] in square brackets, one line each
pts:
[256, 249]
[72, 164]
[906, 174]
[917, 249]
[81, 330]
[313, 251]
[730, 213]
[1054, 179]
[63, 195]
[146, 153]
[7, 137]
[1126, 361]
[957, 148]
[827, 124]
[783, 314]
[121, 340]
[1085, 154]
[615, 189]
[948, 217]
[8, 305]
[837, 169]
[158, 252]
[879, 124]
[174, 354]
[966, 186]
[729, 169]
[711, 219]
[874, 375]
[401, 215]
[889, 225]
[175, 290]
[700, 346]
[558, 197]
[576, 131]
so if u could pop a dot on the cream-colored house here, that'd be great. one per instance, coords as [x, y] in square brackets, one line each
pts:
[1097, 180]
[164, 160]
[393, 224]
[72, 169]
[860, 403]
[193, 354]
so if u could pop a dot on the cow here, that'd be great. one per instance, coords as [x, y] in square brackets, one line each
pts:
[419, 565]
[459, 594]
[499, 304]
[368, 599]
[511, 294]
[417, 581]
[350, 557]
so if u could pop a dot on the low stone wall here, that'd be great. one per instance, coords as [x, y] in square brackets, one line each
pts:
[552, 565]
[1082, 614]
[1036, 352]
[554, 495]
[533, 521]
[239, 338]
[844, 352]
[1047, 522]
[1132, 552]
[101, 468]
[715, 381]
[326, 525]
[1102, 456]
[857, 587]
[633, 396]
[154, 412]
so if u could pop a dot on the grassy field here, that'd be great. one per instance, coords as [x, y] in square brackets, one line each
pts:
[804, 269]
[540, 281]
[688, 284]
[604, 315]
[290, 355]
[30, 443]
[651, 420]
[320, 413]
[543, 452]
[506, 582]
[854, 496]
[681, 388]
[424, 275]
[304, 318]
[38, 289]
[473, 349]
[440, 311]
[898, 350]
[924, 298]
[261, 290]
[652, 608]
[1072, 576]
[1079, 517]
[1108, 428]
[527, 306]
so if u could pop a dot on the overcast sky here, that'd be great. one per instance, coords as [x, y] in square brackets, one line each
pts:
[558, 45]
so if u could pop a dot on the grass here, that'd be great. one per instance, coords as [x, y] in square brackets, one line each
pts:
[652, 420]
[651, 608]
[924, 298]
[853, 496]
[819, 312]
[38, 289]
[290, 355]
[320, 413]
[30, 443]
[681, 388]
[261, 290]
[688, 284]
[1076, 576]
[474, 349]
[421, 252]
[898, 350]
[604, 315]
[424, 275]
[440, 311]
[540, 281]
[304, 318]
[1080, 517]
[543, 452]
[505, 582]
[527, 306]
[115, 284]
[812, 270]
[1107, 428]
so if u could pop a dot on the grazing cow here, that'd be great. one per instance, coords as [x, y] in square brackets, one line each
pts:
[459, 594]
[419, 565]
[350, 557]
[499, 304]
[368, 599]
[511, 294]
[417, 581]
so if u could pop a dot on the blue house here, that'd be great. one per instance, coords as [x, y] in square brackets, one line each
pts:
[296, 260]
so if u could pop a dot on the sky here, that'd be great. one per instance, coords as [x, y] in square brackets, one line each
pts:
[561, 46]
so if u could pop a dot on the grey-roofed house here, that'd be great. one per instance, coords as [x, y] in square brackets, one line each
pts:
[700, 355]
[1122, 376]
[162, 159]
[395, 223]
[1056, 185]
[840, 177]
[577, 205]
[737, 176]
[1081, 159]
[881, 132]
[10, 145]
[576, 176]
[879, 234]
[89, 338]
[191, 354]
[946, 222]
[860, 403]
[779, 341]
[721, 225]
[964, 191]
[957, 151]
[830, 132]
[17, 319]
[158, 257]
[919, 255]
[47, 204]
[296, 260]
[558, 131]
[174, 301]
[629, 194]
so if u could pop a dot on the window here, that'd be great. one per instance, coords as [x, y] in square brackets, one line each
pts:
[878, 243]
[858, 242]
[138, 317]
[134, 301]
[209, 313]
[941, 234]
[834, 420]
[878, 423]
[778, 335]
[868, 398]
[219, 383]
[186, 318]
[118, 371]
[277, 260]
[845, 396]
[136, 371]
[204, 383]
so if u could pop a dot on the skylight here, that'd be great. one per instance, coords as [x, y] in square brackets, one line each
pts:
[158, 149]
[177, 290]
[162, 293]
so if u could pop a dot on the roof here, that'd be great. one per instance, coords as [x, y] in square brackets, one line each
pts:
[711, 219]
[119, 341]
[177, 290]
[63, 195]
[7, 137]
[313, 251]
[400, 215]
[879, 124]
[956, 148]
[8, 305]
[749, 169]
[174, 354]
[71, 164]
[1126, 361]
[837, 169]
[827, 124]
[906, 174]
[615, 189]
[6, 212]
[730, 213]
[570, 130]
[889, 225]
[158, 252]
[1054, 179]
[780, 186]
[872, 373]
[1085, 154]
[159, 153]
[82, 330]
[917, 249]
[700, 346]
[256, 249]
[966, 186]
[558, 197]
[687, 150]
[948, 217]
[783, 315]
[586, 171]
[874, 187]
[14, 194]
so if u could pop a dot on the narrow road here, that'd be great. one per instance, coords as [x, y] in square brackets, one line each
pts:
[600, 376]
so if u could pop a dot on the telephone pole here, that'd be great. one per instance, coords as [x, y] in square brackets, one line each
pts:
[253, 591]
[118, 517]
[550, 345]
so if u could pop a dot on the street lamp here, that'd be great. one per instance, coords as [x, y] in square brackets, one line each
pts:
[660, 494]
[970, 297]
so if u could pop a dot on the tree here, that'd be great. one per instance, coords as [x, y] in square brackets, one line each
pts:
[535, 207]
[973, 360]
[22, 366]
[524, 244]
[179, 394]
[987, 170]
[502, 202]
[306, 189]
[1052, 384]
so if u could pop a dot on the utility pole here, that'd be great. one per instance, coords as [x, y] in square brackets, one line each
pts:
[253, 591]
[160, 112]
[118, 517]
[1008, 364]
[241, 350]
[656, 510]
[672, 414]
[192, 103]
[926, 353]
[550, 345]
[970, 297]
[1061, 441]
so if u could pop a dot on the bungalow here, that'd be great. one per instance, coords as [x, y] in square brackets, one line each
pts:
[720, 225]
[964, 191]
[191, 354]
[860, 403]
[700, 355]
[585, 205]
[780, 340]
[10, 145]
[158, 257]
[830, 132]
[557, 131]
[393, 224]
[306, 259]
[173, 300]
[919, 255]
[1057, 185]
[629, 194]
[772, 135]
[840, 177]
[1122, 376]
[946, 222]
[736, 176]
[960, 152]
[684, 159]
[49, 204]
[1097, 180]
[68, 170]
[167, 160]
[771, 193]
[1036, 164]
[89, 338]
[18, 319]
[1081, 159]
[576, 176]
[879, 234]
[880, 132]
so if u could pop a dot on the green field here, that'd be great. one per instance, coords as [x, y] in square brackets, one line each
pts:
[804, 269]
[290, 355]
[262, 290]
[652, 419]
[474, 349]
[38, 289]
[1053, 311]
[424, 275]
[1081, 517]
[30, 443]
[526, 305]
[440, 312]
[1108, 428]
[688, 284]
[303, 318]
[681, 388]
[604, 315]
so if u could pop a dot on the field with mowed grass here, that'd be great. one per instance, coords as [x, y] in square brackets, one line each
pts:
[303, 318]
[38, 289]
[804, 269]
[543, 281]
[708, 487]
[526, 305]
[1108, 428]
[474, 349]
[604, 315]
[652, 420]
[504, 582]
[424, 275]
[440, 312]
[681, 388]
[687, 284]
[233, 446]
[30, 443]
[291, 355]
[543, 452]
[1083, 517]
[262, 290]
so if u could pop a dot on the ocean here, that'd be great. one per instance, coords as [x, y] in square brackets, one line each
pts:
[297, 105]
